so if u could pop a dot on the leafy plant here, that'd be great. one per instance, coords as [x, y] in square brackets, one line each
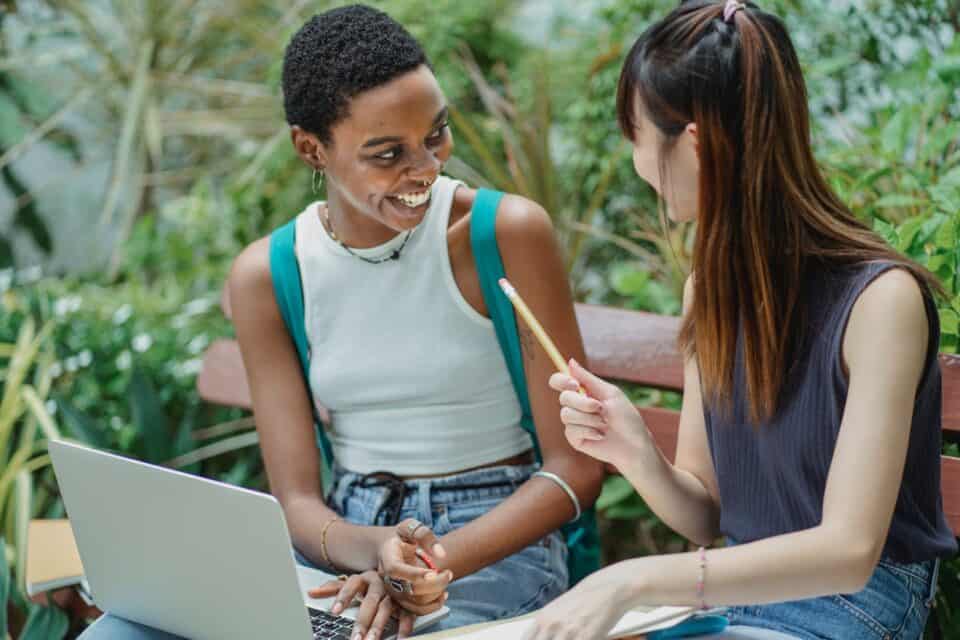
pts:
[513, 143]
[25, 428]
[21, 106]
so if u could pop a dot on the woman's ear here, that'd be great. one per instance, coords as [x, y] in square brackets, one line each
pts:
[691, 130]
[308, 147]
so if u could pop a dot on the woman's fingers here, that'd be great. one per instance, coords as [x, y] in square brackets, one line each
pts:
[367, 613]
[354, 585]
[576, 434]
[395, 558]
[562, 382]
[415, 532]
[423, 609]
[380, 620]
[326, 590]
[573, 417]
[581, 403]
[410, 573]
[594, 386]
[405, 622]
[429, 587]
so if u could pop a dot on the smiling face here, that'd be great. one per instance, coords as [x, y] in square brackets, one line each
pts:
[671, 167]
[383, 156]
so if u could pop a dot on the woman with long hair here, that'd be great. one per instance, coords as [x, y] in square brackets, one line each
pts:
[810, 427]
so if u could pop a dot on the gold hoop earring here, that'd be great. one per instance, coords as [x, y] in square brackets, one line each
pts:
[317, 181]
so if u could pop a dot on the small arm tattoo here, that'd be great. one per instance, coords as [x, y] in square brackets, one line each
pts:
[528, 343]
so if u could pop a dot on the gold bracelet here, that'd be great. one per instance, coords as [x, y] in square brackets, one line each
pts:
[323, 541]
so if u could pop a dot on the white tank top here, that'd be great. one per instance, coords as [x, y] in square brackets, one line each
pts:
[412, 375]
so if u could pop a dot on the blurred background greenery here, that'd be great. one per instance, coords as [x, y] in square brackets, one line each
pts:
[142, 145]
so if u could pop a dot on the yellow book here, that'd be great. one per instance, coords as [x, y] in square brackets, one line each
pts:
[53, 561]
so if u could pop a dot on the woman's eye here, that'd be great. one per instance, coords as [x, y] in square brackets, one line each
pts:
[392, 154]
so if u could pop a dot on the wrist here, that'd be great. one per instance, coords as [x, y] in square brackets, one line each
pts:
[355, 548]
[374, 540]
[642, 461]
[637, 582]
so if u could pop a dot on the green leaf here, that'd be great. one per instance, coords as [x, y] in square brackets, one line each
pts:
[6, 253]
[45, 623]
[238, 475]
[26, 216]
[12, 129]
[148, 418]
[39, 411]
[886, 230]
[946, 197]
[627, 511]
[946, 236]
[832, 65]
[4, 584]
[628, 280]
[907, 232]
[184, 442]
[949, 321]
[127, 146]
[615, 489]
[897, 200]
[937, 144]
[79, 425]
[22, 512]
[948, 68]
[951, 177]
[895, 133]
[941, 265]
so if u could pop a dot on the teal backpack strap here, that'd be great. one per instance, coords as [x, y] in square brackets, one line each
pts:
[583, 539]
[288, 291]
[483, 240]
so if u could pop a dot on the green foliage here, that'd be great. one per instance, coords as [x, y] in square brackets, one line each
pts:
[202, 157]
[21, 104]
[25, 428]
[45, 623]
[4, 584]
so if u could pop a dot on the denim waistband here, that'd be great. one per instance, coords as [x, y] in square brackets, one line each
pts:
[395, 494]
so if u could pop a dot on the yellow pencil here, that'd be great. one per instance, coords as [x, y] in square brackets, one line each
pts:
[524, 311]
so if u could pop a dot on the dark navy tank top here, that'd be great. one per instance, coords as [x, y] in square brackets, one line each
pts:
[772, 476]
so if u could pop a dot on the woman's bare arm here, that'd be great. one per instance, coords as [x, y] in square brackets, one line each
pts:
[281, 406]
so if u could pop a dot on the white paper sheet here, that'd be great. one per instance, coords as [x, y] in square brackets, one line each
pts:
[632, 623]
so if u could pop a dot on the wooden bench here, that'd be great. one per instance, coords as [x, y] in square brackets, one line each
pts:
[626, 346]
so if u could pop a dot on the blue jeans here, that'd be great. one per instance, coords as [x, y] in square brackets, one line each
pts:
[519, 584]
[893, 606]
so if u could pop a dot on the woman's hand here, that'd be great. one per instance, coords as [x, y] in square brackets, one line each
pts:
[586, 612]
[376, 608]
[414, 585]
[604, 423]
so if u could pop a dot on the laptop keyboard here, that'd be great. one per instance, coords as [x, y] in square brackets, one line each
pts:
[327, 626]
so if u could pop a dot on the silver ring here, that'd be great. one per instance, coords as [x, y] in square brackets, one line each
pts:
[400, 585]
[413, 526]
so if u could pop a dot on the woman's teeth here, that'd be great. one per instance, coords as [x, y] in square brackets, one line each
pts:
[413, 200]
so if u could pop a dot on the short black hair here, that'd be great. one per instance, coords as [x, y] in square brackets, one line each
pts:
[337, 55]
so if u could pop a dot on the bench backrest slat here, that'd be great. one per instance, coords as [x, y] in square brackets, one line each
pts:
[622, 345]
[638, 347]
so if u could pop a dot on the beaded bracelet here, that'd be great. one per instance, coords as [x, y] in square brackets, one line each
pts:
[703, 577]
[323, 541]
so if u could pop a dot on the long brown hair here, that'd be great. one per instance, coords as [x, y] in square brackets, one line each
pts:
[765, 211]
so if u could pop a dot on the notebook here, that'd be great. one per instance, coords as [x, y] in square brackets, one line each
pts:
[641, 620]
[53, 561]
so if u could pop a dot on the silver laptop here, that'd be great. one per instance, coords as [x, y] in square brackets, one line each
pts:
[190, 556]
